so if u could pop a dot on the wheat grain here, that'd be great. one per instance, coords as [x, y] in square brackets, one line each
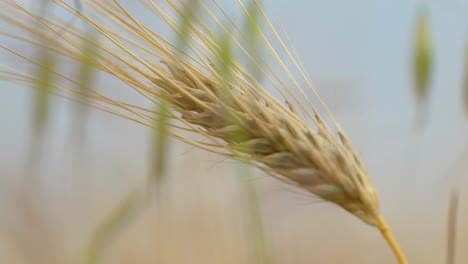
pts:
[213, 95]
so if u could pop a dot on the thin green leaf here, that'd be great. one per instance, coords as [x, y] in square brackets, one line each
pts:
[186, 21]
[45, 79]
[261, 251]
[161, 135]
[86, 76]
[465, 81]
[422, 57]
[452, 225]
[225, 61]
[252, 26]
[117, 220]
[160, 149]
[44, 75]
[225, 57]
[225, 65]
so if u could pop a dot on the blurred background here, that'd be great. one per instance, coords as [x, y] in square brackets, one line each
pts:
[361, 55]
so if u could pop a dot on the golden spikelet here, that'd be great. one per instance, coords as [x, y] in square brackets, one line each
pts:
[212, 94]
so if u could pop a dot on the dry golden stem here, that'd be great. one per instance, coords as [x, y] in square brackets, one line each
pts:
[385, 230]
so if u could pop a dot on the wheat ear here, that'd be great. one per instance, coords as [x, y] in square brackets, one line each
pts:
[213, 95]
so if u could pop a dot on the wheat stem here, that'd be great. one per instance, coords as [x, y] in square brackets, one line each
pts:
[385, 230]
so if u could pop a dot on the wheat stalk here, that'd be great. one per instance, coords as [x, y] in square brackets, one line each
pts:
[213, 95]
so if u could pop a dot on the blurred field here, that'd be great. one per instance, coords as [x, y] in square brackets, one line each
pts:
[52, 206]
[203, 219]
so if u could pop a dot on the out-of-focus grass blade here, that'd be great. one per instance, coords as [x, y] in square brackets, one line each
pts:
[47, 62]
[161, 135]
[86, 75]
[117, 220]
[129, 207]
[251, 28]
[422, 57]
[261, 251]
[225, 57]
[45, 79]
[253, 216]
[452, 226]
[465, 81]
[224, 64]
[186, 21]
[160, 149]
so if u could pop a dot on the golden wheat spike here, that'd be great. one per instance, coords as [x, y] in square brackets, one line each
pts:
[212, 94]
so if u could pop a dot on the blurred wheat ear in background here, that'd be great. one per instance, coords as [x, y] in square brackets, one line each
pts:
[214, 83]
[465, 80]
[422, 63]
